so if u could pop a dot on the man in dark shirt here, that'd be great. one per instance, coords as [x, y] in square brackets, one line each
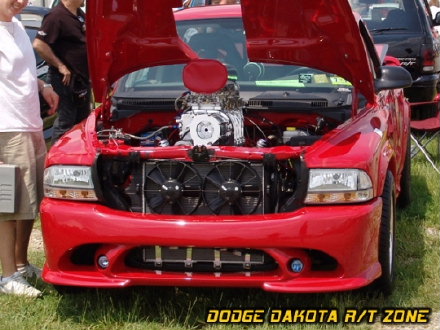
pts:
[61, 42]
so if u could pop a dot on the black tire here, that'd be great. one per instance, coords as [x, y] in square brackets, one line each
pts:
[404, 198]
[385, 282]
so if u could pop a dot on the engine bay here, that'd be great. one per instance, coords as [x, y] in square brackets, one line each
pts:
[194, 182]
[223, 119]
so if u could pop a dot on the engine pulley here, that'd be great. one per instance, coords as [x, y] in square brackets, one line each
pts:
[208, 129]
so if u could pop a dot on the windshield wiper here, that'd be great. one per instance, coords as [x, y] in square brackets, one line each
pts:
[387, 29]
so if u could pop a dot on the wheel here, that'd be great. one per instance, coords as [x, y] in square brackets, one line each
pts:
[438, 147]
[404, 198]
[387, 239]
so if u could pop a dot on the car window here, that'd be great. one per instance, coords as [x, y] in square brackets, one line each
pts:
[273, 76]
[388, 14]
[31, 19]
[224, 40]
[56, 2]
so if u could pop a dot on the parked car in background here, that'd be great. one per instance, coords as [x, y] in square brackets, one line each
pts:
[197, 3]
[407, 28]
[40, 3]
[31, 17]
[55, 2]
[44, 3]
[255, 145]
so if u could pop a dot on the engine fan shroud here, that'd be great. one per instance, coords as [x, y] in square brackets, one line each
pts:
[232, 188]
[203, 188]
[172, 187]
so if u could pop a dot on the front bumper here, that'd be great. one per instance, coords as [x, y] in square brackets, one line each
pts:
[349, 234]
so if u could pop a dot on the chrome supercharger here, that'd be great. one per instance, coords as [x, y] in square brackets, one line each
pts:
[211, 119]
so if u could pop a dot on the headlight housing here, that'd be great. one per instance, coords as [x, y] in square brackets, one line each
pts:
[338, 186]
[69, 182]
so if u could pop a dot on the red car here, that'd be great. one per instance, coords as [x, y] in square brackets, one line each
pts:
[254, 145]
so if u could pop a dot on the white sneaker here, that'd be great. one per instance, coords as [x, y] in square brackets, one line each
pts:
[17, 285]
[29, 271]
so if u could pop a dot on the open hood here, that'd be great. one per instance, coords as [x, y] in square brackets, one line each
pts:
[323, 34]
[127, 35]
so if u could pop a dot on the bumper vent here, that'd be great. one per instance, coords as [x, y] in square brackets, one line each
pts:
[189, 259]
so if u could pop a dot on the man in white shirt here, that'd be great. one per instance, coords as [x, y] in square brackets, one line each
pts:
[435, 8]
[21, 144]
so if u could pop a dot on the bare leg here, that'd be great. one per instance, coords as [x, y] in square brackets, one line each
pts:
[7, 247]
[24, 230]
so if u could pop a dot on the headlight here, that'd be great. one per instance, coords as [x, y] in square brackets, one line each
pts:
[69, 182]
[333, 186]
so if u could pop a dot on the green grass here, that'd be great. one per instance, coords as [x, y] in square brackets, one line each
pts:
[417, 285]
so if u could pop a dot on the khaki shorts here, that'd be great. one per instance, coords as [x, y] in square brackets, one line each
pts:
[27, 150]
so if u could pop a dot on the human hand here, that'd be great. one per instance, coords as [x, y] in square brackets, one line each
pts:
[67, 75]
[51, 98]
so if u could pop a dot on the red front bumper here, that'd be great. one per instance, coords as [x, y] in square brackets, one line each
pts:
[349, 234]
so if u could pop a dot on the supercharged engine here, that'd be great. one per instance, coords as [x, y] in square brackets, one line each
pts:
[213, 119]
[174, 162]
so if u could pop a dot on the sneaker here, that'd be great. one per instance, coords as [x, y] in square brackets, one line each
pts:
[17, 285]
[29, 271]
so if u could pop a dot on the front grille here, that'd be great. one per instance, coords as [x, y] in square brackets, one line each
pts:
[230, 187]
[191, 259]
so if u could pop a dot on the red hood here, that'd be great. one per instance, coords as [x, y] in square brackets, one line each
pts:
[127, 35]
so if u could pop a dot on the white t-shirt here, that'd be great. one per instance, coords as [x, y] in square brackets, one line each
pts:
[19, 102]
[434, 11]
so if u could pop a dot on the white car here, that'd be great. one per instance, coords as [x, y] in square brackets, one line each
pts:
[46, 3]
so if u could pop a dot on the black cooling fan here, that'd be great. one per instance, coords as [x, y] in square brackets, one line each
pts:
[232, 188]
[172, 188]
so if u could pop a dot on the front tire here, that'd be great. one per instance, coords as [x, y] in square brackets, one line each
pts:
[385, 282]
[404, 198]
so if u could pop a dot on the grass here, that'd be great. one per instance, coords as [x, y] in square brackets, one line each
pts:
[185, 308]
